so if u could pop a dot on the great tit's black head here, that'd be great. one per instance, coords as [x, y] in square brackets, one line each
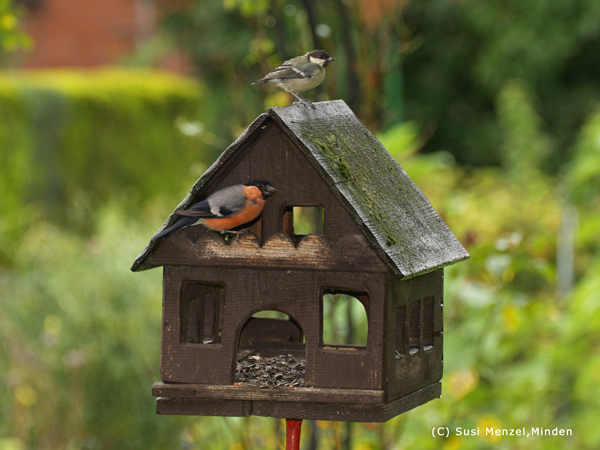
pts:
[320, 57]
[265, 187]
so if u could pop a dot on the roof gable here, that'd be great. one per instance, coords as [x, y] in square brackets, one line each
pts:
[398, 218]
[252, 132]
[392, 212]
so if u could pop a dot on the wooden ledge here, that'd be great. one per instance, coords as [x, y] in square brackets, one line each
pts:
[318, 408]
[290, 394]
[350, 253]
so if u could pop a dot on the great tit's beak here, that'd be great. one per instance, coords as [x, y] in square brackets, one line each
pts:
[331, 59]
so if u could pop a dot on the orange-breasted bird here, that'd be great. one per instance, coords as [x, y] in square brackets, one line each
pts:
[225, 209]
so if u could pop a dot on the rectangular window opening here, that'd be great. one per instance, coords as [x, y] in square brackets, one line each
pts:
[414, 336]
[200, 313]
[400, 331]
[428, 323]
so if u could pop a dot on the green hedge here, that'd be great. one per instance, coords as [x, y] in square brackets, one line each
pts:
[70, 140]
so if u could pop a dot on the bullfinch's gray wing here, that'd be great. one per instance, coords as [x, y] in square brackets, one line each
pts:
[183, 222]
[203, 210]
[226, 202]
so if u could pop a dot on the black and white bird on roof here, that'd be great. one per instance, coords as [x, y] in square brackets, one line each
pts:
[300, 74]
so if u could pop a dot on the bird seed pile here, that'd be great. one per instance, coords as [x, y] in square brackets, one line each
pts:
[270, 372]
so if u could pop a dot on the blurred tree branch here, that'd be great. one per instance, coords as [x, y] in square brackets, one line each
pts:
[310, 15]
[353, 85]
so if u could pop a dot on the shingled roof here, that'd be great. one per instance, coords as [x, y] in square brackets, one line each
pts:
[393, 213]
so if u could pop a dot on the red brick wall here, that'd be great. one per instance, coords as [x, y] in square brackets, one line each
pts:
[84, 33]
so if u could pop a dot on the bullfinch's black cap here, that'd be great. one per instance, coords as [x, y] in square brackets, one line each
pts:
[265, 187]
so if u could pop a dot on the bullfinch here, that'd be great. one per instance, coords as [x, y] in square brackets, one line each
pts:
[300, 73]
[225, 209]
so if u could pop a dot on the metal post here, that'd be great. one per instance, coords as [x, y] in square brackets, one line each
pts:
[292, 438]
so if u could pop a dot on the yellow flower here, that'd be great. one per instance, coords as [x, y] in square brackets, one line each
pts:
[53, 324]
[462, 382]
[511, 318]
[452, 443]
[488, 425]
[8, 21]
[25, 395]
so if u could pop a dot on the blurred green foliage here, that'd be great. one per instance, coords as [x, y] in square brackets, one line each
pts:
[92, 162]
[11, 37]
[81, 346]
[464, 54]
[235, 42]
[73, 140]
[80, 340]
[448, 65]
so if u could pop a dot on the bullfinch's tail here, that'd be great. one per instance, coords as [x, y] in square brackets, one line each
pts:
[183, 222]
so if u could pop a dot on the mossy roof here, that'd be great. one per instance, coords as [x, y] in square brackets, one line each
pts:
[392, 211]
[388, 207]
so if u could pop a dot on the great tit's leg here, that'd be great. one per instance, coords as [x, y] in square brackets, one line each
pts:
[303, 100]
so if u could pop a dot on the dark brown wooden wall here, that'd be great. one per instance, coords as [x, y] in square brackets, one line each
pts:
[295, 293]
[253, 275]
[212, 287]
[269, 154]
[273, 157]
[417, 304]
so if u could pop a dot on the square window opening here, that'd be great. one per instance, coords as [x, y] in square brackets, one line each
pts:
[298, 221]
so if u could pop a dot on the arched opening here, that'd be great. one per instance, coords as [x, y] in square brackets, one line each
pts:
[271, 351]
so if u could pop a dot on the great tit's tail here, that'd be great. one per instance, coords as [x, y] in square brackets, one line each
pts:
[183, 222]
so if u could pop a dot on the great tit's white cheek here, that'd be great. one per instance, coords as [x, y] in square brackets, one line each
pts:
[318, 61]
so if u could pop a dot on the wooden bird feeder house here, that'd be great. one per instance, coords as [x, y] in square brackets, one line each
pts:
[381, 244]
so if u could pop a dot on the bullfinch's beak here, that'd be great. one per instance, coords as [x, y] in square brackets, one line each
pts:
[269, 191]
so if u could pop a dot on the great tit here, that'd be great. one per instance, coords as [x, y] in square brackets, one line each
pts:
[300, 73]
[225, 209]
